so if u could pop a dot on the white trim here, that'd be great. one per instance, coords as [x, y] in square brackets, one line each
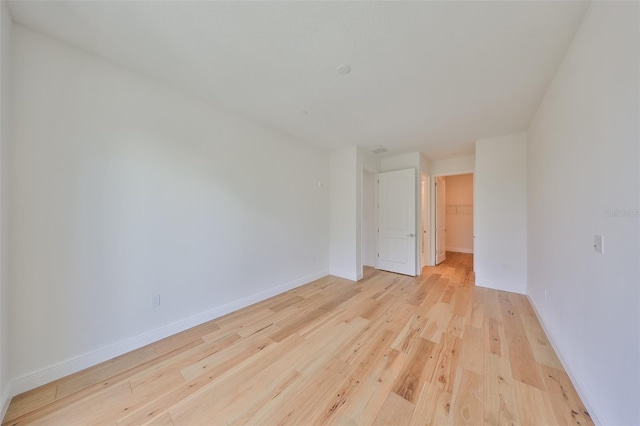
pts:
[360, 276]
[6, 400]
[499, 285]
[581, 393]
[62, 369]
[425, 201]
[460, 250]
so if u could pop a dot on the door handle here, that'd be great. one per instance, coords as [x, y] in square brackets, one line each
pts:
[411, 235]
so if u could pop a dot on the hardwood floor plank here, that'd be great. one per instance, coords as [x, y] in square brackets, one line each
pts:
[377, 387]
[86, 411]
[319, 390]
[540, 345]
[357, 376]
[456, 326]
[534, 407]
[438, 322]
[433, 406]
[31, 401]
[77, 382]
[219, 362]
[181, 339]
[476, 317]
[167, 398]
[88, 392]
[268, 403]
[509, 314]
[389, 349]
[522, 304]
[471, 358]
[164, 420]
[499, 400]
[523, 364]
[495, 338]
[394, 411]
[467, 402]
[442, 365]
[411, 379]
[566, 403]
[410, 334]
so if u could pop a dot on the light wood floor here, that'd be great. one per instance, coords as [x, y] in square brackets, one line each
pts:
[389, 349]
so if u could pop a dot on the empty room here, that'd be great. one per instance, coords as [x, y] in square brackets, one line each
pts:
[309, 212]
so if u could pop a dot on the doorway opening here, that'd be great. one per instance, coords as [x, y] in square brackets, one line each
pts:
[453, 227]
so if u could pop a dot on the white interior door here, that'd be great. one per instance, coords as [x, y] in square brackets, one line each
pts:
[441, 213]
[397, 221]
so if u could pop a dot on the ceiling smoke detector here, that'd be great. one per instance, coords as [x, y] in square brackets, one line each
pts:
[379, 149]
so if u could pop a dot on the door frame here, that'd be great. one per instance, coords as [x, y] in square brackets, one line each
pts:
[425, 219]
[364, 169]
[432, 210]
[441, 219]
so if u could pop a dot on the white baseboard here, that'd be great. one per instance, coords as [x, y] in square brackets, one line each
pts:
[460, 250]
[62, 369]
[6, 399]
[500, 285]
[583, 396]
[346, 275]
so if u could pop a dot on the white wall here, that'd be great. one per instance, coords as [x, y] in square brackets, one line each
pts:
[343, 217]
[583, 162]
[459, 216]
[500, 213]
[425, 164]
[400, 162]
[346, 169]
[122, 188]
[453, 166]
[5, 49]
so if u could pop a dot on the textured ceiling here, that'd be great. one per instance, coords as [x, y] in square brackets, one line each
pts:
[427, 76]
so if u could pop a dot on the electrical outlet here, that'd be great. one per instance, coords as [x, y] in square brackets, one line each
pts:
[155, 301]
